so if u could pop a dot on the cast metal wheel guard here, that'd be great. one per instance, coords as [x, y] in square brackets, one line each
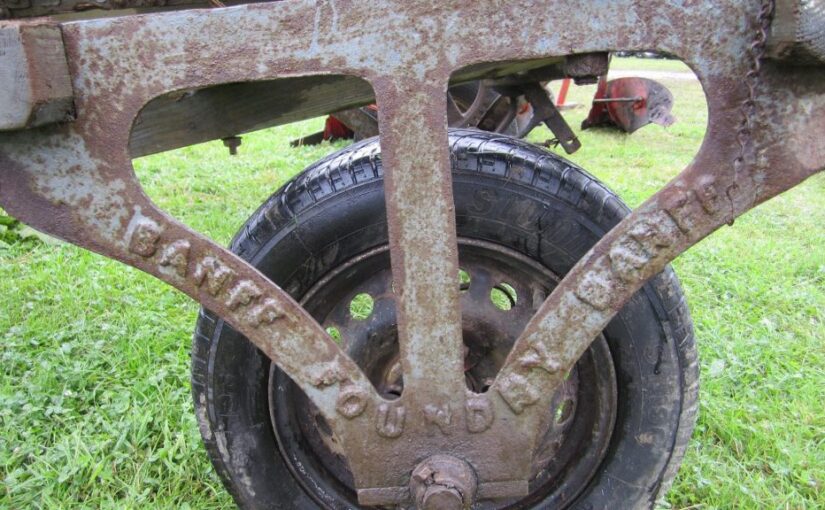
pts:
[766, 134]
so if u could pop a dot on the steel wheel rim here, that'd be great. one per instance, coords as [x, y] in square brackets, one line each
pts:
[587, 401]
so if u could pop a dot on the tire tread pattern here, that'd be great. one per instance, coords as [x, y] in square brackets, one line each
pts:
[472, 151]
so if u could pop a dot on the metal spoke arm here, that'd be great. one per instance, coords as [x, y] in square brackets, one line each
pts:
[746, 166]
[423, 247]
[101, 207]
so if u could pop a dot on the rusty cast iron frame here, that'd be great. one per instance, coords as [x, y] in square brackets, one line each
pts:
[75, 180]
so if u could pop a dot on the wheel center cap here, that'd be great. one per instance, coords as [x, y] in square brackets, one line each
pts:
[442, 482]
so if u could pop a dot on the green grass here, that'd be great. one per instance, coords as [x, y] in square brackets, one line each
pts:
[94, 397]
[648, 64]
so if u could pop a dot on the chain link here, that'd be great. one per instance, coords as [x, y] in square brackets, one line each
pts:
[756, 52]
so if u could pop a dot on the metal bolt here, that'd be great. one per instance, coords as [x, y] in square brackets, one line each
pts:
[442, 482]
[232, 142]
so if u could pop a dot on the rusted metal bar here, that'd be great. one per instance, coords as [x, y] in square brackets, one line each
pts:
[544, 111]
[420, 213]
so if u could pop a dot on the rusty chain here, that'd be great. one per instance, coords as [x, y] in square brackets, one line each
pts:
[756, 53]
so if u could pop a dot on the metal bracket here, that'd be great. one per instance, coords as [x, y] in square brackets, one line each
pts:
[544, 110]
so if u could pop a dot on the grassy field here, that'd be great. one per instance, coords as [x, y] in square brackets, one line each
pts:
[647, 64]
[94, 396]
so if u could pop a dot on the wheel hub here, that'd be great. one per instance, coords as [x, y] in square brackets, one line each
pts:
[443, 482]
[499, 288]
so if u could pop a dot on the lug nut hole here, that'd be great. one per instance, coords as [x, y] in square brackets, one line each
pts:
[504, 296]
[360, 308]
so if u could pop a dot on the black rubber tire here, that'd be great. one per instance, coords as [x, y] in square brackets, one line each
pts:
[507, 192]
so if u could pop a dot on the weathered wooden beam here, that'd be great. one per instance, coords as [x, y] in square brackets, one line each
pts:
[35, 88]
[798, 32]
[183, 118]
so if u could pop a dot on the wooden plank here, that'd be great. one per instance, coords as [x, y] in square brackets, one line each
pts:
[35, 88]
[181, 119]
[797, 34]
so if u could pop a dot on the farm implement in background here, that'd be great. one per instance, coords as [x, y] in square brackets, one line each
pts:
[515, 110]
